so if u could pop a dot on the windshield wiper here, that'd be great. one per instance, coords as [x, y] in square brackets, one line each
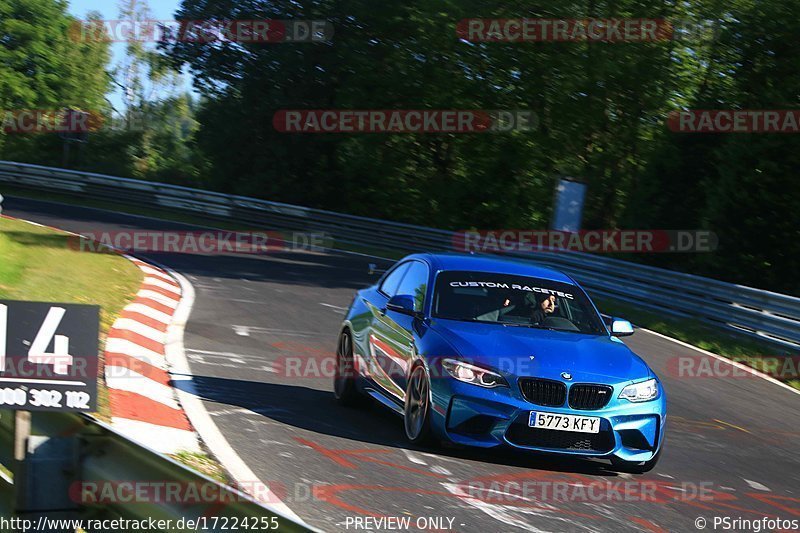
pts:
[533, 326]
[509, 324]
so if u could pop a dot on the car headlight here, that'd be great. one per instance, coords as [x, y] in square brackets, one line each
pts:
[473, 374]
[640, 392]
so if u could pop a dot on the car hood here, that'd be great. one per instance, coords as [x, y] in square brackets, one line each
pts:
[520, 351]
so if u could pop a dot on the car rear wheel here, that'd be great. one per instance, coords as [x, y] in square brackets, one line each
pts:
[417, 407]
[344, 380]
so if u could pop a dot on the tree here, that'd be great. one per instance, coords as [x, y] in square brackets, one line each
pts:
[43, 66]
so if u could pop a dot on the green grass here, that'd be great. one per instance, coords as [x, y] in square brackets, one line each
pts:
[40, 264]
[729, 344]
[203, 463]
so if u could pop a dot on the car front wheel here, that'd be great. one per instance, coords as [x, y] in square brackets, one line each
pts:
[417, 407]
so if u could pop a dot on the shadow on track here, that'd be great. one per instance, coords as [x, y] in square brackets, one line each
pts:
[317, 411]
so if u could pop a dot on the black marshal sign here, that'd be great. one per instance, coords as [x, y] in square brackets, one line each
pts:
[48, 356]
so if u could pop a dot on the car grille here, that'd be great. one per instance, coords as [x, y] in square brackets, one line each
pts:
[522, 435]
[585, 396]
[543, 391]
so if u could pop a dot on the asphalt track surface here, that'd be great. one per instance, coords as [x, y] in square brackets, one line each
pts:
[258, 339]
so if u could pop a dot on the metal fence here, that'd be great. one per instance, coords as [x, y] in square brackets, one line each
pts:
[764, 314]
[73, 467]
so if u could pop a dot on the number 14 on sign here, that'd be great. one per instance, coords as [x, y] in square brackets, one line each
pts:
[59, 358]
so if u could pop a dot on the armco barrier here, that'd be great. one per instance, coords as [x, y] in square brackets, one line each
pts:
[76, 467]
[756, 312]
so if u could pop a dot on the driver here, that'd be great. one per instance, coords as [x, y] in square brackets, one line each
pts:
[545, 305]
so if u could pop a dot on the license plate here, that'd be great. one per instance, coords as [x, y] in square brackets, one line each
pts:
[581, 424]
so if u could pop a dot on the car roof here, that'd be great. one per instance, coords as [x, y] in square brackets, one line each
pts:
[491, 264]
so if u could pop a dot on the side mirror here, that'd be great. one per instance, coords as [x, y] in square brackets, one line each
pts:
[373, 269]
[402, 303]
[621, 327]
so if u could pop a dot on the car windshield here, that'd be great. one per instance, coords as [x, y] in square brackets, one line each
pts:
[514, 301]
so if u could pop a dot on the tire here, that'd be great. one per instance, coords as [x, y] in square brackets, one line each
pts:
[636, 468]
[417, 410]
[344, 380]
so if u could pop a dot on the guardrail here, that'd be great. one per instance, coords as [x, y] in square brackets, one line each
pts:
[76, 467]
[760, 313]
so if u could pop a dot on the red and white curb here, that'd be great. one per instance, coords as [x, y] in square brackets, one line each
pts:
[144, 406]
[144, 342]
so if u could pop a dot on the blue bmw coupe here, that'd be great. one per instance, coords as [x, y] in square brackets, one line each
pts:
[486, 351]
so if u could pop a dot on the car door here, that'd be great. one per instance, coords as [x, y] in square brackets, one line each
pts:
[392, 336]
[381, 351]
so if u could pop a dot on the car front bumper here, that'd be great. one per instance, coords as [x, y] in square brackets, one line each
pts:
[469, 415]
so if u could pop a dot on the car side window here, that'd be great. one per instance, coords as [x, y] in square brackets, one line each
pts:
[392, 280]
[415, 283]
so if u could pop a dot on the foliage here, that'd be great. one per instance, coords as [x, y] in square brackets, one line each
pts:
[601, 111]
